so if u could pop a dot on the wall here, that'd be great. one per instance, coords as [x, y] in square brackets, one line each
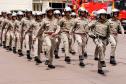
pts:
[15, 4]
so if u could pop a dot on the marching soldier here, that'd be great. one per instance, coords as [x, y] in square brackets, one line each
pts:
[94, 19]
[3, 24]
[57, 15]
[18, 31]
[80, 33]
[7, 26]
[87, 17]
[0, 28]
[115, 26]
[27, 28]
[91, 34]
[66, 23]
[14, 39]
[50, 29]
[101, 29]
[37, 38]
[9, 31]
[72, 38]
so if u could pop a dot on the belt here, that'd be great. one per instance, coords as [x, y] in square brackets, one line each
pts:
[49, 33]
[101, 37]
[115, 33]
[66, 31]
[81, 33]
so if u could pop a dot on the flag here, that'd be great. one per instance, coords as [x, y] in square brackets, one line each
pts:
[79, 2]
[74, 4]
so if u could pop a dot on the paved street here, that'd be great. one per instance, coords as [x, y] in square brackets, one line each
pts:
[17, 70]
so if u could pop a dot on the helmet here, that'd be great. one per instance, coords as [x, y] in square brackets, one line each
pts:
[67, 9]
[41, 13]
[81, 9]
[14, 14]
[101, 11]
[73, 14]
[34, 13]
[38, 13]
[20, 13]
[48, 9]
[94, 13]
[28, 10]
[115, 10]
[63, 13]
[57, 12]
[86, 11]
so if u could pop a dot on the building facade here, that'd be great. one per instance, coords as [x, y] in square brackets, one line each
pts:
[35, 5]
[41, 5]
[15, 4]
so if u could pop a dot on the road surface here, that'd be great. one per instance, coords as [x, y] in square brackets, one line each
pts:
[17, 70]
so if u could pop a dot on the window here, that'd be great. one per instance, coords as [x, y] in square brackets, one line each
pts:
[57, 5]
[37, 6]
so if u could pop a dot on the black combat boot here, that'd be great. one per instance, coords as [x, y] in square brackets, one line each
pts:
[10, 49]
[20, 53]
[112, 60]
[51, 66]
[85, 55]
[0, 44]
[45, 53]
[4, 44]
[56, 54]
[81, 58]
[72, 52]
[28, 55]
[46, 62]
[103, 63]
[14, 50]
[63, 50]
[7, 47]
[67, 60]
[96, 59]
[101, 72]
[37, 60]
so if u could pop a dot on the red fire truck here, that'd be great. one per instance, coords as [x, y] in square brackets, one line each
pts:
[94, 5]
